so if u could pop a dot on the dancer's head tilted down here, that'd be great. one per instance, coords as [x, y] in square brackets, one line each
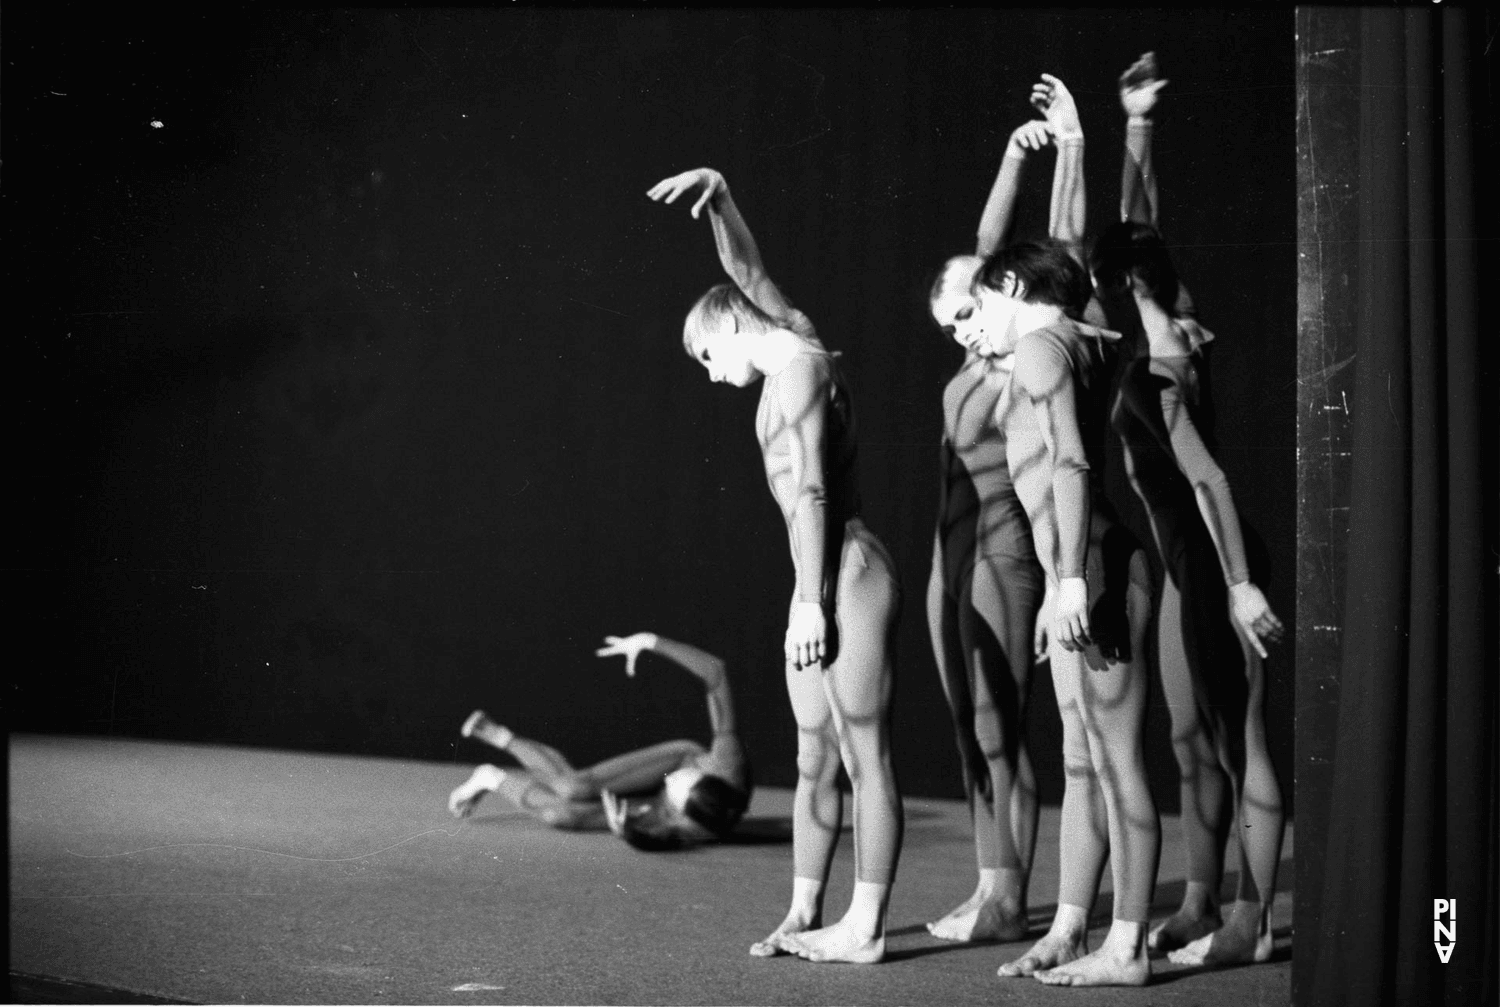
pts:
[1023, 287]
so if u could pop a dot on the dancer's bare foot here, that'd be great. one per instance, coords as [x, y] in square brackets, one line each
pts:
[845, 941]
[466, 796]
[986, 916]
[1120, 961]
[775, 943]
[1066, 939]
[479, 725]
[1181, 929]
[1245, 939]
[1049, 952]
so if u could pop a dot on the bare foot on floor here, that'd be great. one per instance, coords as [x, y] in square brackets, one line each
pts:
[467, 795]
[1232, 944]
[1181, 929]
[982, 918]
[775, 943]
[842, 942]
[1099, 969]
[1049, 952]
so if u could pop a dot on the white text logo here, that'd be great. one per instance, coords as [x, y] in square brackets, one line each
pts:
[1444, 932]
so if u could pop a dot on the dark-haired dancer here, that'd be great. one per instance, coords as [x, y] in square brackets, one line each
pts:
[1210, 649]
[700, 793]
[1029, 296]
[985, 587]
[840, 636]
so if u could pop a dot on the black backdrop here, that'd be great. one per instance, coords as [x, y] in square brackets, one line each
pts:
[350, 396]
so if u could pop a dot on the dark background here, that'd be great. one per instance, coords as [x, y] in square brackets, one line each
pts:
[352, 397]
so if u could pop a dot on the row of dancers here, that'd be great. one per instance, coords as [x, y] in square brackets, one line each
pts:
[1071, 348]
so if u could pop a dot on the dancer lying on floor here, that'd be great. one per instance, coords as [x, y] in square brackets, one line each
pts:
[696, 795]
[840, 637]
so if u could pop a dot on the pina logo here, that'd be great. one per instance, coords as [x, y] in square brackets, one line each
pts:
[1444, 931]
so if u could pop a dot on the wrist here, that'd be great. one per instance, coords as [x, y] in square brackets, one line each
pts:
[801, 602]
[1138, 122]
[1068, 136]
[650, 640]
[1015, 151]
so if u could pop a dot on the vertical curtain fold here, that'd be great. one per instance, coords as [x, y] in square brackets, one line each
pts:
[1413, 812]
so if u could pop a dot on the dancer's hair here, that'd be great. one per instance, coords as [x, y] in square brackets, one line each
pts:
[1049, 273]
[1131, 250]
[956, 278]
[713, 803]
[707, 315]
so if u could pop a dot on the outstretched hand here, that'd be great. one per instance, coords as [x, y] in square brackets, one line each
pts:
[1052, 98]
[668, 189]
[1034, 134]
[629, 647]
[1139, 86]
[1253, 615]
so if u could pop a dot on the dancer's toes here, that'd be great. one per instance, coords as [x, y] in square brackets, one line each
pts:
[1181, 930]
[776, 942]
[1049, 952]
[1099, 969]
[1228, 945]
[842, 942]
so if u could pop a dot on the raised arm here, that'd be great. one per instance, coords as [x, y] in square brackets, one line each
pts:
[1000, 208]
[1138, 90]
[738, 253]
[1216, 504]
[711, 670]
[1042, 371]
[1069, 210]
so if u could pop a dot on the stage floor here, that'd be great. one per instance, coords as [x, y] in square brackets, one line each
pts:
[238, 875]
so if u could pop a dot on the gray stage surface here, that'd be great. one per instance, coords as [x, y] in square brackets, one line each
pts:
[234, 875]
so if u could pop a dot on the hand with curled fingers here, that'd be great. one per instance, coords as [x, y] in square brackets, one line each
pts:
[668, 189]
[806, 636]
[1253, 615]
[1139, 86]
[1034, 134]
[1070, 614]
[1051, 97]
[629, 647]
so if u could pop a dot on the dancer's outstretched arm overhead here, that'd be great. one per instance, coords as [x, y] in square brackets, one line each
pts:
[712, 671]
[738, 253]
[998, 216]
[1069, 208]
[1138, 90]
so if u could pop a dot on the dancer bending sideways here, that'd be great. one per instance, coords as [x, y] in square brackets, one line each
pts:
[1210, 649]
[696, 794]
[985, 588]
[840, 636]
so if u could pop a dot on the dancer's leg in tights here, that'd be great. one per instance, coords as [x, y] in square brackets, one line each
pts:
[817, 809]
[548, 768]
[996, 620]
[857, 685]
[1258, 826]
[1112, 697]
[1201, 788]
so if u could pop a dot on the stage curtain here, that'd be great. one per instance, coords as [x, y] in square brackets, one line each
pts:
[1413, 813]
